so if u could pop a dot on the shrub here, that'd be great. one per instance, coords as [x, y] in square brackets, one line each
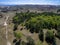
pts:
[50, 36]
[18, 35]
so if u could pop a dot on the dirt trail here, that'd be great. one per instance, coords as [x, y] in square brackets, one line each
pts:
[6, 32]
[6, 25]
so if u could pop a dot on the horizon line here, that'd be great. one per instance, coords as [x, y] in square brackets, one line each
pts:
[28, 4]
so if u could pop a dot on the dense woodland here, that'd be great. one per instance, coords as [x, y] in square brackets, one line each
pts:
[36, 22]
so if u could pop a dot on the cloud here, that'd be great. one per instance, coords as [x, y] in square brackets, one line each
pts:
[40, 2]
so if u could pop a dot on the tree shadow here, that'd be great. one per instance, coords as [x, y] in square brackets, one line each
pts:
[51, 42]
[18, 42]
[14, 41]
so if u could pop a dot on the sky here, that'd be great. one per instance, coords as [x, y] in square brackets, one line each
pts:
[39, 2]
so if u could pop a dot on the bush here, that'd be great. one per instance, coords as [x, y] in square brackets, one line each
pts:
[50, 36]
[18, 35]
